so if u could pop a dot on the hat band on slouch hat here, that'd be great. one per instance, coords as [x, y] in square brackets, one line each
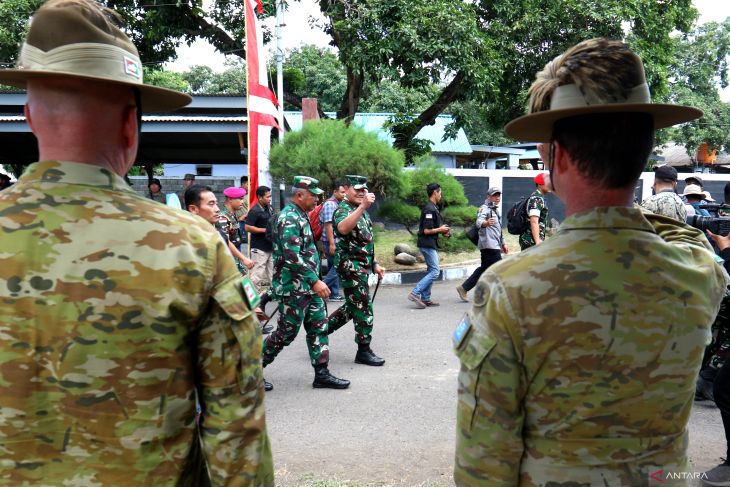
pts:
[570, 96]
[84, 59]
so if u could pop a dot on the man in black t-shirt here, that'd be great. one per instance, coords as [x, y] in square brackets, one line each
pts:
[261, 247]
[429, 228]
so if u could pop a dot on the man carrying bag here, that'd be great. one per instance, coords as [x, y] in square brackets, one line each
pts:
[491, 241]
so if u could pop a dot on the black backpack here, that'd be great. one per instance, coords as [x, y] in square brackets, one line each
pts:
[271, 227]
[517, 222]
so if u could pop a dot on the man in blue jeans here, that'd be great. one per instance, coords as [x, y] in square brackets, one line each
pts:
[429, 228]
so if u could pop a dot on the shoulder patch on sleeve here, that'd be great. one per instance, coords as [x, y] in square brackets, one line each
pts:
[461, 331]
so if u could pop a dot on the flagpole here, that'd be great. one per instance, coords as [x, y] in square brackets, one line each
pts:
[280, 66]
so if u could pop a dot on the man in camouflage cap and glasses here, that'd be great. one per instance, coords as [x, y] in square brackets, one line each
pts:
[116, 312]
[355, 261]
[297, 286]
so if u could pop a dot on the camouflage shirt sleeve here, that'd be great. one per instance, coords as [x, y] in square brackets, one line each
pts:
[492, 385]
[236, 445]
[291, 235]
[535, 206]
[676, 232]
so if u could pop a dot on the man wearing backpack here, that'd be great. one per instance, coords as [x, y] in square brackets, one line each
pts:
[329, 240]
[537, 213]
[491, 241]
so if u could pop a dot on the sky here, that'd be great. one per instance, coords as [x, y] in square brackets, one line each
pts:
[298, 31]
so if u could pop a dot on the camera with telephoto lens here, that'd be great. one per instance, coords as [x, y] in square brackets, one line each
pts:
[719, 225]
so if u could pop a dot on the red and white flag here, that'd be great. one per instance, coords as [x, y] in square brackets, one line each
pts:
[261, 103]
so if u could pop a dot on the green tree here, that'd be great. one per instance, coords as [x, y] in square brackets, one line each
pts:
[532, 32]
[323, 74]
[700, 68]
[389, 96]
[413, 42]
[328, 149]
[166, 79]
[487, 51]
[15, 15]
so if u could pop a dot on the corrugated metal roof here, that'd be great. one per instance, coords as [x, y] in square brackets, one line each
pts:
[373, 122]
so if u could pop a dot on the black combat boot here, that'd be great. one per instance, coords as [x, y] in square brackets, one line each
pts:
[324, 380]
[268, 386]
[366, 356]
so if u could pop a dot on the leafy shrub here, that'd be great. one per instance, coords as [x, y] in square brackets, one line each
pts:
[457, 243]
[329, 149]
[428, 171]
[463, 216]
[400, 212]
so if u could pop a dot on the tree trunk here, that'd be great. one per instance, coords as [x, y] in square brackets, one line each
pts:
[351, 98]
[428, 116]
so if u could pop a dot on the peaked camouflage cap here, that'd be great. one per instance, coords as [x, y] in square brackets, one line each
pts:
[310, 184]
[80, 39]
[357, 182]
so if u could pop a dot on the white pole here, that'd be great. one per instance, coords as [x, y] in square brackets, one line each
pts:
[280, 66]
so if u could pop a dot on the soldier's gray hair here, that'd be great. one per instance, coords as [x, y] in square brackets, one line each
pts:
[602, 68]
[295, 191]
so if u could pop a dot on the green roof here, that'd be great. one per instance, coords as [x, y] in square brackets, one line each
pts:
[373, 122]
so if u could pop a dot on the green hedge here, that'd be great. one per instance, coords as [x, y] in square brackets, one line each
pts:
[462, 216]
[400, 212]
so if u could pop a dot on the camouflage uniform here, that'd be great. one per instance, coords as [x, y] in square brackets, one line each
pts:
[354, 261]
[666, 203]
[108, 336]
[535, 203]
[296, 270]
[579, 356]
[229, 225]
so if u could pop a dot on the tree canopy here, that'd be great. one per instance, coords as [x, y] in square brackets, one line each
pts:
[698, 70]
[420, 58]
[328, 149]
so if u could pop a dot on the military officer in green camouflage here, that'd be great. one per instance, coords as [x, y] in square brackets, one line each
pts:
[297, 286]
[355, 261]
[116, 312]
[579, 356]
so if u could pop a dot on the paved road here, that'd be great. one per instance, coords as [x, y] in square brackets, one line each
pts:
[395, 424]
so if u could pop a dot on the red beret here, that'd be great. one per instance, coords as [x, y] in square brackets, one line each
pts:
[234, 192]
[540, 178]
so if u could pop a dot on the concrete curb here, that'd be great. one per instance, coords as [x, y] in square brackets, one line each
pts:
[411, 277]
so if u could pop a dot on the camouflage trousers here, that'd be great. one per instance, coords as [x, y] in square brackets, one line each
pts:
[357, 308]
[293, 311]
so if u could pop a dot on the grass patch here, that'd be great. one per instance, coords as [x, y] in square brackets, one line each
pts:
[387, 239]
